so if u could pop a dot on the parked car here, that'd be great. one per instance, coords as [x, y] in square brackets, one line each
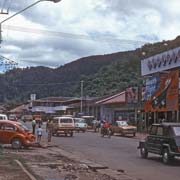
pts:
[163, 139]
[63, 125]
[16, 134]
[27, 118]
[80, 124]
[89, 121]
[3, 117]
[123, 128]
[13, 117]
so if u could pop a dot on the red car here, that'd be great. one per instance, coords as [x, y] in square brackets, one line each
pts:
[16, 134]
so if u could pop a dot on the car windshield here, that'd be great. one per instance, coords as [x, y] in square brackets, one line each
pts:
[66, 121]
[122, 123]
[94, 121]
[80, 121]
[176, 131]
[24, 127]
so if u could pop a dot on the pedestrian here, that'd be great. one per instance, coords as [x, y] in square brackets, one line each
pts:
[33, 126]
[49, 129]
[39, 134]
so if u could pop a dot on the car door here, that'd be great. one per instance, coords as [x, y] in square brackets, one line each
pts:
[151, 139]
[1, 133]
[8, 131]
[115, 128]
[159, 139]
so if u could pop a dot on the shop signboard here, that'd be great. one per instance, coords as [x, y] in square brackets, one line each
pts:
[161, 62]
[151, 86]
[162, 95]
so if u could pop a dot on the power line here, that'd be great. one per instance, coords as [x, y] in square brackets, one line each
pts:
[73, 36]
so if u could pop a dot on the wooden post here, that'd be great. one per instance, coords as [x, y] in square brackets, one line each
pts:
[154, 117]
[177, 115]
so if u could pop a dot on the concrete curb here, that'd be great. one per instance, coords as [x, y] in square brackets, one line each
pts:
[25, 170]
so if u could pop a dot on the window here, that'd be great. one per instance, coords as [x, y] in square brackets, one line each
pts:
[176, 131]
[153, 130]
[80, 120]
[160, 131]
[66, 120]
[8, 127]
[167, 131]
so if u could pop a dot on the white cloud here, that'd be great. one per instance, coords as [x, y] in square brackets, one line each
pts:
[137, 20]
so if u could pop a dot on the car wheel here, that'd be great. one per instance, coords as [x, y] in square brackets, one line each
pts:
[166, 157]
[143, 152]
[16, 143]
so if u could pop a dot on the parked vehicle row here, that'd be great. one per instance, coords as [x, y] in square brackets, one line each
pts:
[11, 117]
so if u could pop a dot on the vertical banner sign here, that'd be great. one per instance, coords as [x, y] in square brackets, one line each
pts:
[162, 92]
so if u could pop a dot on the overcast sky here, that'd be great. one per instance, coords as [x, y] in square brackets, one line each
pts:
[52, 34]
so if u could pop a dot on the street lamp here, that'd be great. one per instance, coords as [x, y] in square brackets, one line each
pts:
[55, 1]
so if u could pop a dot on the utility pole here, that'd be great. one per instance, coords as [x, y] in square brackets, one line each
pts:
[82, 96]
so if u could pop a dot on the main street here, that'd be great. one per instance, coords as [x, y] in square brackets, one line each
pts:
[118, 153]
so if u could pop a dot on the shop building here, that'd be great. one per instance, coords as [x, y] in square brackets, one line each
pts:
[161, 97]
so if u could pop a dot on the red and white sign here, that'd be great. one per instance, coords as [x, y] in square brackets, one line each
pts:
[161, 62]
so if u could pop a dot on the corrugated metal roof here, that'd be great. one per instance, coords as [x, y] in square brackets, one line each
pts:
[117, 98]
[19, 109]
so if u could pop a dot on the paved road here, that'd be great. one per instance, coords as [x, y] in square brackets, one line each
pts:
[119, 153]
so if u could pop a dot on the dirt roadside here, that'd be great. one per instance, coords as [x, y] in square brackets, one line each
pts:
[9, 170]
[51, 163]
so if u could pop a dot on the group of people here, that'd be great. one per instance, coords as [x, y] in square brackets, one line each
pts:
[39, 131]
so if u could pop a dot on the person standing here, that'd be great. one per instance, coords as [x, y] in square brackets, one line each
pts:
[33, 126]
[49, 129]
[39, 134]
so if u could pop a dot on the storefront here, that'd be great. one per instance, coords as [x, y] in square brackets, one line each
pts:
[121, 106]
[161, 97]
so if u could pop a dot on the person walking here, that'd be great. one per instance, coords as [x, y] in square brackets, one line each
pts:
[33, 126]
[39, 134]
[49, 129]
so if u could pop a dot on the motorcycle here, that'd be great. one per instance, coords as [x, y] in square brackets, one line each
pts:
[105, 132]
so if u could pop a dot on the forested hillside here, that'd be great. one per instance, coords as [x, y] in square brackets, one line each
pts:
[102, 75]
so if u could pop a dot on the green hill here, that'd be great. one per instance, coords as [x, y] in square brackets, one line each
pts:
[102, 75]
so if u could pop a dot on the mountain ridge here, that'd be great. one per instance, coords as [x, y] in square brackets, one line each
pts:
[102, 75]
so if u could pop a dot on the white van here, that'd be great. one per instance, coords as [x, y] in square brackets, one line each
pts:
[3, 117]
[63, 125]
